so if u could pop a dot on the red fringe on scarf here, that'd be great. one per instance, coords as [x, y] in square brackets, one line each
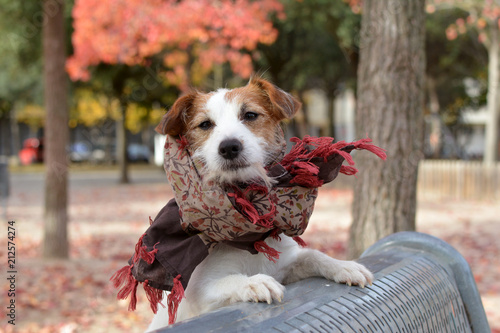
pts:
[155, 296]
[348, 170]
[268, 251]
[142, 253]
[297, 161]
[275, 234]
[124, 280]
[174, 299]
[367, 145]
[266, 220]
[126, 284]
[300, 241]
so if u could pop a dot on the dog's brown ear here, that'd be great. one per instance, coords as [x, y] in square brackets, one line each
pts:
[284, 105]
[173, 122]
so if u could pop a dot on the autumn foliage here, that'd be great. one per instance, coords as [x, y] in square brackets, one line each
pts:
[188, 34]
[480, 14]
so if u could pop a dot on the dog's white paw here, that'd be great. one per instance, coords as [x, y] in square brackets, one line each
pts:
[261, 288]
[350, 273]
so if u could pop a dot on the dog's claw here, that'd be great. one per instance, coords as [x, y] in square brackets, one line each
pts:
[262, 288]
[351, 273]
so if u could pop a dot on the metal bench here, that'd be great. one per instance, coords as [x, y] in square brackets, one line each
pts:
[422, 284]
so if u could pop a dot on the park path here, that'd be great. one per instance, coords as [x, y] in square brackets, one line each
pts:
[107, 218]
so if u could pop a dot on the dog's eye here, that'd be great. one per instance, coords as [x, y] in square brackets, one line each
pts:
[250, 116]
[206, 125]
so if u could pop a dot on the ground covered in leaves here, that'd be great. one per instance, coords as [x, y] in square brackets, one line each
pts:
[107, 219]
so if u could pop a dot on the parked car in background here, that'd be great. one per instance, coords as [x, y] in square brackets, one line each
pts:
[80, 152]
[104, 154]
[138, 153]
[32, 151]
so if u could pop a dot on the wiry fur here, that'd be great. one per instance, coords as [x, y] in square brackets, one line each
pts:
[226, 117]
[230, 275]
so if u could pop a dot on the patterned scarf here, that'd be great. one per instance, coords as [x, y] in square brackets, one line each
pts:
[204, 214]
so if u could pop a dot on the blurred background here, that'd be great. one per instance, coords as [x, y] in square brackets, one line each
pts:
[124, 63]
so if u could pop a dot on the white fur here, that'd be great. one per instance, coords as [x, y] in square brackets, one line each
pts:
[225, 116]
[229, 275]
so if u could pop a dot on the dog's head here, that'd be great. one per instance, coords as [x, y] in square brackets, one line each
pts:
[234, 133]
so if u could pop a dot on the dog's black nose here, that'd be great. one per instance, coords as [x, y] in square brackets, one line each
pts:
[230, 148]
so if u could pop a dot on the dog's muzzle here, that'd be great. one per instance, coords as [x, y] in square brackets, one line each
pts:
[230, 149]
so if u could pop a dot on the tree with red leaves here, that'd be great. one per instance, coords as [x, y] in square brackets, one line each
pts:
[190, 35]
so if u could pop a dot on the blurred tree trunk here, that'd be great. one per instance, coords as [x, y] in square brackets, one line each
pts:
[390, 110]
[493, 98]
[300, 120]
[14, 128]
[121, 147]
[435, 119]
[55, 244]
[331, 113]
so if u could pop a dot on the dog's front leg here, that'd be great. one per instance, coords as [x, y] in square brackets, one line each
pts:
[228, 276]
[241, 288]
[205, 294]
[311, 263]
[231, 289]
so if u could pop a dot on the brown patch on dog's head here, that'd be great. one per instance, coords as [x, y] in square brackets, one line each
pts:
[281, 104]
[175, 121]
[194, 133]
[270, 103]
